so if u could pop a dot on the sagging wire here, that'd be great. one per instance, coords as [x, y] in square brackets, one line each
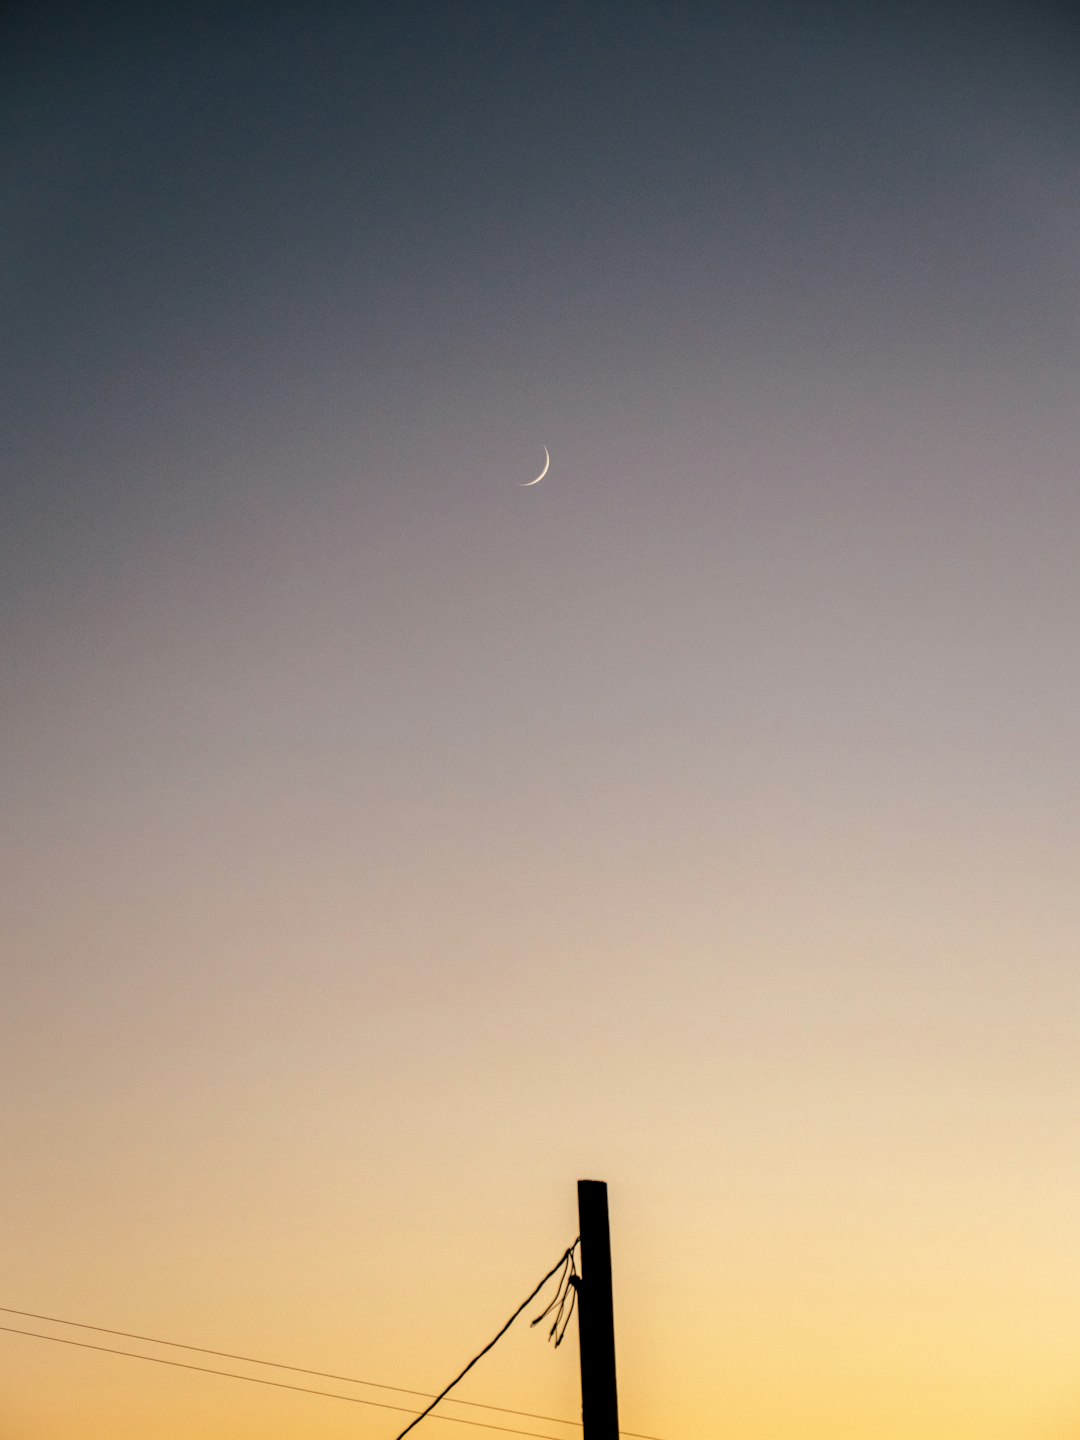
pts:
[559, 1266]
[564, 1300]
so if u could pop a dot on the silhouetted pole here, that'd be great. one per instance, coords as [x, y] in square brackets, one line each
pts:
[596, 1320]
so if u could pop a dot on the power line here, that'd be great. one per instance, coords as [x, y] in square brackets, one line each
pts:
[280, 1365]
[276, 1384]
[560, 1264]
[302, 1370]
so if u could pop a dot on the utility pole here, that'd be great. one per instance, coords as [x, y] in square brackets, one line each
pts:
[596, 1320]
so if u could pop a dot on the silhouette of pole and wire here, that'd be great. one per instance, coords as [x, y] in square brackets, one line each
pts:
[589, 1291]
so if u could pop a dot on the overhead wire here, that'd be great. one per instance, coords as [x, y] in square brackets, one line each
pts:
[280, 1365]
[560, 1264]
[566, 1263]
[276, 1384]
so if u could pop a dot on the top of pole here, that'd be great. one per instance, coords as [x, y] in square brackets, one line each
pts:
[596, 1327]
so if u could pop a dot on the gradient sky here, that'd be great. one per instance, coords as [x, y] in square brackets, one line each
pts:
[386, 846]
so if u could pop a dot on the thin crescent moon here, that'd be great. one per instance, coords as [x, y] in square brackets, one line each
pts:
[547, 465]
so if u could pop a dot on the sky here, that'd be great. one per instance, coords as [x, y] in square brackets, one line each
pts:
[388, 844]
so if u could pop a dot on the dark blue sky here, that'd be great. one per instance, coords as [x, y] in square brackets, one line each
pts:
[382, 201]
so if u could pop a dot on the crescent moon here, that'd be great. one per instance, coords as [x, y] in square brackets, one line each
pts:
[547, 465]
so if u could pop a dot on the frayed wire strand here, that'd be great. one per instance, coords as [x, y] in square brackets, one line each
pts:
[562, 1302]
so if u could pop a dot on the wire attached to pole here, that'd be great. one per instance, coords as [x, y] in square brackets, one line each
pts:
[563, 1302]
[564, 1259]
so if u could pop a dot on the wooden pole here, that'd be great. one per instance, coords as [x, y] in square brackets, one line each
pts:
[596, 1320]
